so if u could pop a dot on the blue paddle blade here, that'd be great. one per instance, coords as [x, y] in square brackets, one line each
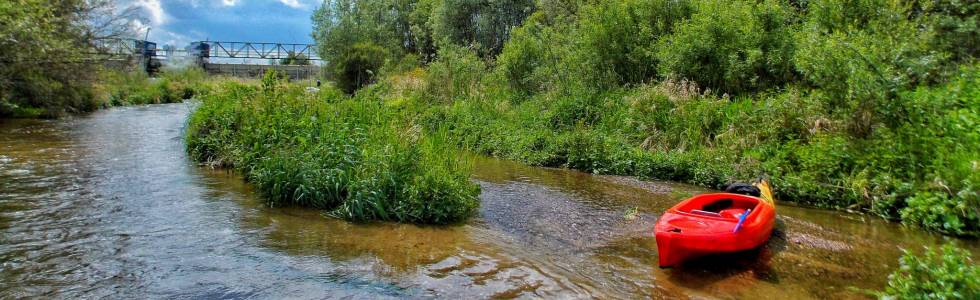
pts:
[741, 219]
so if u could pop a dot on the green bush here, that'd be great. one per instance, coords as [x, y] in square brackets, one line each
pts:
[358, 66]
[529, 60]
[943, 117]
[957, 215]
[861, 54]
[455, 74]
[10, 110]
[956, 24]
[618, 39]
[136, 87]
[44, 68]
[947, 274]
[483, 25]
[732, 46]
[357, 158]
[610, 44]
[674, 131]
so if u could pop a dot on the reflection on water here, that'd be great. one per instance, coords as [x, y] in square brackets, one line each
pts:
[109, 205]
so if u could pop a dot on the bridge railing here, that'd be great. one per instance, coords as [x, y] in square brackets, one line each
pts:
[253, 50]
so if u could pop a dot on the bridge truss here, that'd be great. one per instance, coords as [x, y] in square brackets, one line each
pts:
[207, 49]
[252, 50]
[219, 57]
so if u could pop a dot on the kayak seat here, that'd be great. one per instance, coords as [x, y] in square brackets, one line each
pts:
[723, 206]
[733, 213]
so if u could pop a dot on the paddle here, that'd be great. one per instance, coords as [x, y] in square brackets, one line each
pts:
[741, 219]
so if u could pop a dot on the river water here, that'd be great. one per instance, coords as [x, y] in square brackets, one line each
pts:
[109, 205]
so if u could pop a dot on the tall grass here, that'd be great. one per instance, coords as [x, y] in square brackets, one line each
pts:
[358, 158]
[923, 172]
[136, 87]
[115, 88]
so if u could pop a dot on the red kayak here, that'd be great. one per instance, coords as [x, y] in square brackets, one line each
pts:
[715, 223]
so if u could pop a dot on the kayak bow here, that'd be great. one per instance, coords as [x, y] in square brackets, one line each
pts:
[715, 223]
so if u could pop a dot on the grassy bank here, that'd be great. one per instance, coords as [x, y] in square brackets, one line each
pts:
[359, 158]
[923, 171]
[868, 106]
[133, 88]
[49, 66]
[113, 88]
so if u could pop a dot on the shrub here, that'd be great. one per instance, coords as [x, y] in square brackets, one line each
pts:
[529, 61]
[943, 117]
[956, 24]
[846, 104]
[358, 66]
[483, 25]
[610, 44]
[136, 87]
[946, 274]
[862, 54]
[455, 74]
[732, 46]
[45, 68]
[10, 110]
[957, 215]
[618, 38]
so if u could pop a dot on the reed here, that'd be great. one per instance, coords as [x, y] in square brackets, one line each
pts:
[354, 157]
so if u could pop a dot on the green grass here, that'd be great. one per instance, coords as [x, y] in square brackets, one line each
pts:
[850, 105]
[11, 110]
[675, 131]
[133, 88]
[115, 88]
[358, 158]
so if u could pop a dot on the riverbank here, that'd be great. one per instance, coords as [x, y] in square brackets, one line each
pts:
[114, 88]
[856, 106]
[676, 131]
[133, 214]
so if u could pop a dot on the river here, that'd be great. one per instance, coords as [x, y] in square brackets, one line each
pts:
[109, 205]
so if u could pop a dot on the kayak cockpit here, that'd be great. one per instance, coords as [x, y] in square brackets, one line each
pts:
[718, 206]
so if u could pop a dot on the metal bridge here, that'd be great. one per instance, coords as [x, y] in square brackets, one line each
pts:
[259, 50]
[247, 59]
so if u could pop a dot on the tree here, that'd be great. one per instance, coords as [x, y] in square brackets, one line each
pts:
[293, 58]
[45, 47]
[359, 66]
[484, 25]
[413, 27]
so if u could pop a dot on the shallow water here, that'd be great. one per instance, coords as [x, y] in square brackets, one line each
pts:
[108, 205]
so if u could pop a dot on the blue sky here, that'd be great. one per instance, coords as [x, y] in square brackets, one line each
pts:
[179, 22]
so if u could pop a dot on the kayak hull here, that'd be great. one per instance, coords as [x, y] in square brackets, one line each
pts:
[693, 228]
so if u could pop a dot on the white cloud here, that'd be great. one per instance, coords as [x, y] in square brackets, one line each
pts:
[229, 2]
[137, 26]
[154, 10]
[292, 3]
[165, 37]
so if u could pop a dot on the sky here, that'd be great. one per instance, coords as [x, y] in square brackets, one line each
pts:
[179, 22]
